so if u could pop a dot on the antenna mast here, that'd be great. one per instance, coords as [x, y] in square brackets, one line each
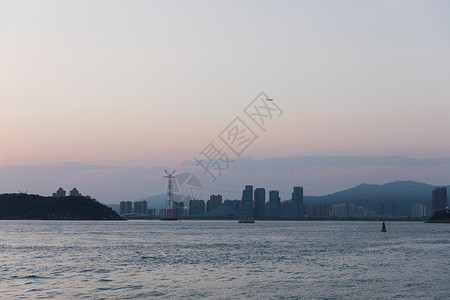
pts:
[170, 211]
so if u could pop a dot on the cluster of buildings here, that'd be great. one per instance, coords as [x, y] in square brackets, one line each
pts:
[138, 207]
[253, 204]
[73, 192]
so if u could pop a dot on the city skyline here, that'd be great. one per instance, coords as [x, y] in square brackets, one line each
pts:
[318, 175]
[398, 200]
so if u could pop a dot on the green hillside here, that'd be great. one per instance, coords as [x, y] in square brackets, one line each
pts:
[35, 207]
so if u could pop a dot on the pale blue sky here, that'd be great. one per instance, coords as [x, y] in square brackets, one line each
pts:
[150, 83]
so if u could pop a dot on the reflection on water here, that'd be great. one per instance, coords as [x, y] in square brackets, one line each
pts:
[222, 260]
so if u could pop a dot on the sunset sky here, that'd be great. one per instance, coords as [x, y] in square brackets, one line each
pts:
[143, 85]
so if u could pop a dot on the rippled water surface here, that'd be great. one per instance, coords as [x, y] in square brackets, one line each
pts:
[223, 260]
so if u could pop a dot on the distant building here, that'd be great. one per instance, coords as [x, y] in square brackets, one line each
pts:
[196, 207]
[140, 207]
[320, 210]
[151, 211]
[439, 199]
[360, 212]
[316, 210]
[228, 210]
[273, 207]
[418, 211]
[396, 210]
[74, 192]
[325, 210]
[126, 207]
[214, 203]
[306, 210]
[260, 202]
[336, 210]
[369, 213]
[179, 209]
[286, 208]
[246, 206]
[343, 210]
[59, 193]
[296, 208]
[351, 210]
[339, 210]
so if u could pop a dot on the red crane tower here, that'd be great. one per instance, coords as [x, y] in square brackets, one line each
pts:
[169, 214]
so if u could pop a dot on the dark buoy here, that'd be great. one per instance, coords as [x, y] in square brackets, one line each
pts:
[383, 227]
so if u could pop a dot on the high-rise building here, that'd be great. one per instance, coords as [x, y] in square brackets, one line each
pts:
[396, 210]
[296, 209]
[351, 210]
[214, 203]
[439, 199]
[126, 207]
[343, 210]
[336, 210]
[418, 211]
[196, 207]
[260, 202]
[273, 207]
[246, 206]
[178, 208]
[140, 207]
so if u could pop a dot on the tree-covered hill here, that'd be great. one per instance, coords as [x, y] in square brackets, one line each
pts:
[35, 207]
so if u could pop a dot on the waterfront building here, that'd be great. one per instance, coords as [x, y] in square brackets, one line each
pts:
[316, 210]
[196, 207]
[360, 212]
[351, 210]
[286, 208]
[306, 210]
[214, 202]
[336, 210]
[246, 206]
[343, 210]
[320, 210]
[260, 202]
[396, 210]
[178, 208]
[418, 211]
[296, 208]
[140, 207]
[325, 210]
[273, 207]
[228, 210]
[126, 207]
[439, 199]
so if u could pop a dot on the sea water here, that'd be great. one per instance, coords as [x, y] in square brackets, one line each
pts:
[223, 260]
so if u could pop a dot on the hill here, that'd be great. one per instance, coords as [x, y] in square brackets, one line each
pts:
[399, 193]
[440, 217]
[35, 207]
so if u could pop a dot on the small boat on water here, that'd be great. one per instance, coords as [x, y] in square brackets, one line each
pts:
[247, 220]
[383, 227]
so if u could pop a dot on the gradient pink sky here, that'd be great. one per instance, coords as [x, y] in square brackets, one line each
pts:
[151, 83]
